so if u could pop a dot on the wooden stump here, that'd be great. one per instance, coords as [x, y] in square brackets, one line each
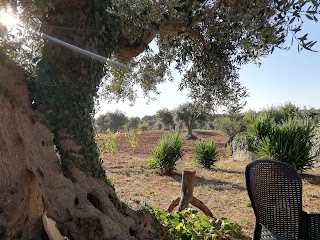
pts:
[188, 181]
[186, 195]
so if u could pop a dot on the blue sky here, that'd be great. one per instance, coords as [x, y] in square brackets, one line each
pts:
[283, 76]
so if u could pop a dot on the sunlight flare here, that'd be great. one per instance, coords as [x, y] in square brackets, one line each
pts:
[7, 19]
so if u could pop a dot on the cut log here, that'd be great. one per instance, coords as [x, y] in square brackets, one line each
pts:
[188, 181]
[199, 204]
[186, 197]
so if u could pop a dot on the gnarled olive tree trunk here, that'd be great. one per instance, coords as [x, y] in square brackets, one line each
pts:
[67, 82]
[32, 183]
[69, 187]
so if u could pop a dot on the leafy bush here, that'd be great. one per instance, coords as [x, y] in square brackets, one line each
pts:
[205, 153]
[192, 224]
[261, 126]
[289, 110]
[281, 113]
[108, 142]
[259, 129]
[166, 153]
[143, 126]
[230, 126]
[248, 118]
[289, 142]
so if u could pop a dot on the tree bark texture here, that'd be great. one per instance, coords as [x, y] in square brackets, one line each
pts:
[190, 130]
[190, 135]
[188, 181]
[32, 183]
[67, 82]
[186, 195]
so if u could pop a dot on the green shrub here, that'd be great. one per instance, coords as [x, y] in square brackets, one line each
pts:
[143, 126]
[166, 153]
[259, 129]
[228, 125]
[243, 143]
[261, 126]
[205, 153]
[192, 224]
[248, 118]
[289, 142]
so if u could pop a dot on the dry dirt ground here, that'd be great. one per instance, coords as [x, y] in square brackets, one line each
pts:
[222, 189]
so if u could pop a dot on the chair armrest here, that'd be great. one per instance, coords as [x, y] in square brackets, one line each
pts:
[311, 225]
[267, 234]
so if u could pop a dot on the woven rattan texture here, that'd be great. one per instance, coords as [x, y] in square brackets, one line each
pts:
[275, 190]
[267, 235]
[313, 226]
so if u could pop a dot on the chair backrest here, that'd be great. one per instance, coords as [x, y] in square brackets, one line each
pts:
[275, 191]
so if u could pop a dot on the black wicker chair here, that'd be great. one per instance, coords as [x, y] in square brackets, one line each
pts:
[275, 191]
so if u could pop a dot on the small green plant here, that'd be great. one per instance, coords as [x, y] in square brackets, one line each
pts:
[143, 126]
[289, 142]
[133, 139]
[166, 153]
[205, 153]
[107, 143]
[192, 224]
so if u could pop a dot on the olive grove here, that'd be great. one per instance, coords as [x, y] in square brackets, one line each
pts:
[50, 165]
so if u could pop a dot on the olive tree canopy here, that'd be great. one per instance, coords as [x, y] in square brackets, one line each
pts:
[189, 113]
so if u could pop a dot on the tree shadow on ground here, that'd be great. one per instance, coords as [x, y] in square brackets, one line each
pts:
[227, 171]
[127, 172]
[212, 183]
[206, 133]
[312, 179]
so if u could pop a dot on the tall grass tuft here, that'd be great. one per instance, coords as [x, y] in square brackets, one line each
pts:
[289, 142]
[166, 153]
[259, 129]
[205, 153]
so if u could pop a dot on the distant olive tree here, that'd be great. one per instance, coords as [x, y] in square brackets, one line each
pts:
[112, 120]
[165, 117]
[132, 123]
[230, 125]
[189, 113]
